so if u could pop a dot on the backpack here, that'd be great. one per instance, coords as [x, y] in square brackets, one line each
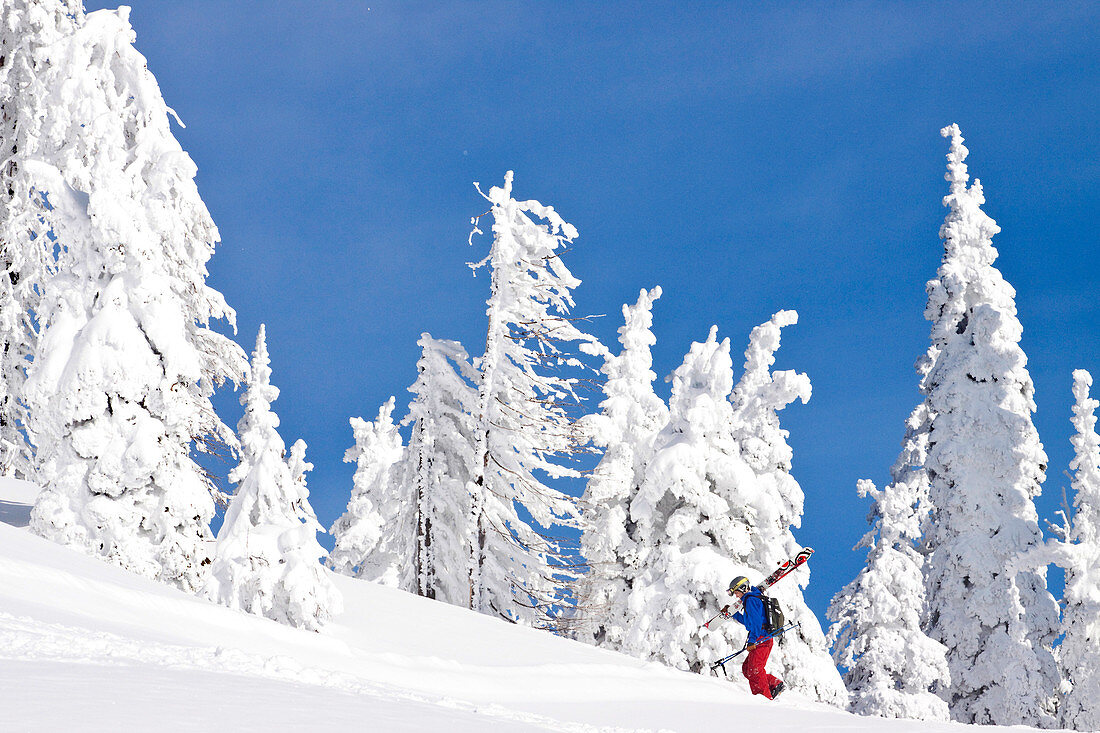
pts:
[773, 615]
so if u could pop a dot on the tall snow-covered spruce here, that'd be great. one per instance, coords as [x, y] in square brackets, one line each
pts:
[716, 500]
[438, 466]
[772, 505]
[267, 556]
[119, 391]
[375, 535]
[892, 665]
[523, 423]
[687, 540]
[407, 523]
[630, 416]
[31, 147]
[985, 465]
[1079, 655]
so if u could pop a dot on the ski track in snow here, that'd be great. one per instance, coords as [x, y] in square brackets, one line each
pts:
[26, 639]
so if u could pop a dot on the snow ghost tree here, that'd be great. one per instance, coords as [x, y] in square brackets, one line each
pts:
[522, 422]
[686, 535]
[438, 466]
[630, 416]
[119, 390]
[716, 500]
[32, 144]
[894, 668]
[771, 504]
[1079, 656]
[374, 537]
[985, 466]
[892, 665]
[267, 556]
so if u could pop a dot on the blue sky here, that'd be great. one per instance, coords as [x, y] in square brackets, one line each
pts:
[745, 157]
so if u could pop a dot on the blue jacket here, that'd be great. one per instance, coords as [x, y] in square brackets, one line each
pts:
[752, 617]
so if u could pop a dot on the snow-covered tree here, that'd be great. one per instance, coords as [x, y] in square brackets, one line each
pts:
[375, 535]
[686, 535]
[985, 466]
[717, 500]
[438, 465]
[30, 147]
[630, 416]
[877, 617]
[523, 426]
[771, 505]
[892, 665]
[267, 560]
[119, 390]
[1079, 656]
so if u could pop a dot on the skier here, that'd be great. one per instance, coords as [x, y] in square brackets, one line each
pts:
[759, 642]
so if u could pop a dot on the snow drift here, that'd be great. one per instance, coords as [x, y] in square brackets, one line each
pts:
[86, 644]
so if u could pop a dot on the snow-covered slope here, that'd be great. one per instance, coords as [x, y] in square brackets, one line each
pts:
[86, 646]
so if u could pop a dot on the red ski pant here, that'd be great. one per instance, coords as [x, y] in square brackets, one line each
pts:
[760, 682]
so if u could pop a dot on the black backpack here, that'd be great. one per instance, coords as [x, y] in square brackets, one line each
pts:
[773, 615]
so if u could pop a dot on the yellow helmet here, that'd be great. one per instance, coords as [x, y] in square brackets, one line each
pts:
[740, 583]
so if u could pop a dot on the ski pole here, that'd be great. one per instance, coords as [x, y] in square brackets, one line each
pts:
[722, 662]
[785, 629]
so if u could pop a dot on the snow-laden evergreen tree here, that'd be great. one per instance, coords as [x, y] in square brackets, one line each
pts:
[267, 560]
[877, 631]
[1079, 655]
[375, 537]
[119, 391]
[523, 427]
[31, 146]
[771, 505]
[686, 534]
[630, 416]
[438, 465]
[985, 466]
[892, 665]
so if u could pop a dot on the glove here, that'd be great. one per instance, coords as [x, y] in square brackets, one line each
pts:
[725, 611]
[750, 647]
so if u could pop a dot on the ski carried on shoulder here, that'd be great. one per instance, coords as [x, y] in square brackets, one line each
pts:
[785, 568]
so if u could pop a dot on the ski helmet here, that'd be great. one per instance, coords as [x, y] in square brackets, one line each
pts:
[740, 583]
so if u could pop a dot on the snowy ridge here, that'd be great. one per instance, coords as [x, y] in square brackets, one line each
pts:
[25, 639]
[85, 641]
